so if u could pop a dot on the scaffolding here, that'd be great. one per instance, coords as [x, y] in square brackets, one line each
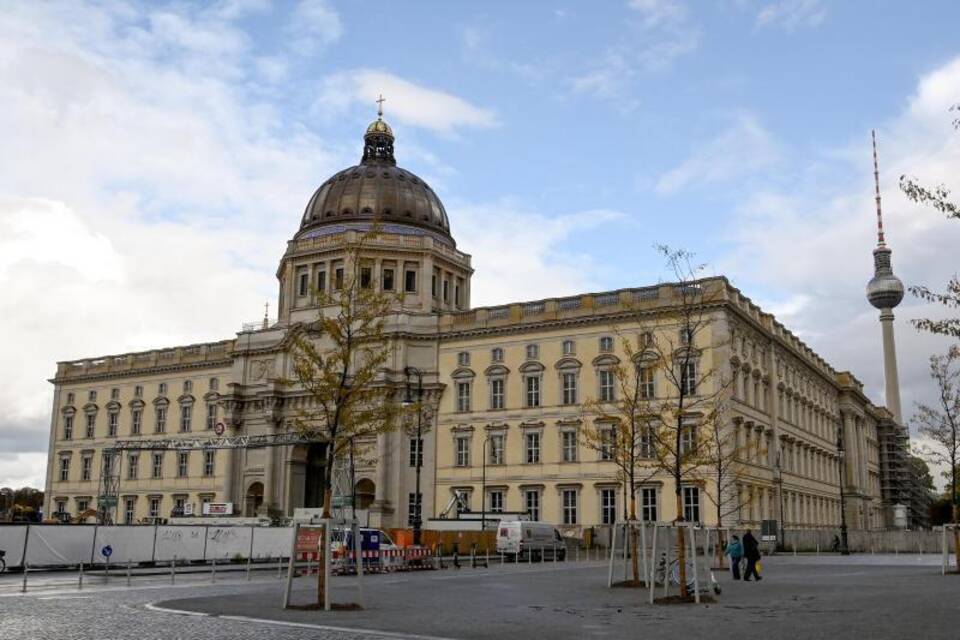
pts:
[109, 493]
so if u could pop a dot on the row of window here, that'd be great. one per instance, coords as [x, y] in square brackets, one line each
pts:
[495, 445]
[440, 281]
[569, 502]
[214, 385]
[533, 351]
[136, 421]
[532, 389]
[154, 505]
[133, 466]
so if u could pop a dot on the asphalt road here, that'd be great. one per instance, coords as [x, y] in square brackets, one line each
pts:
[803, 597]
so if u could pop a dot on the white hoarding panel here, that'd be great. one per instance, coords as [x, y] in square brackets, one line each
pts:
[11, 541]
[133, 543]
[272, 542]
[184, 542]
[228, 542]
[57, 544]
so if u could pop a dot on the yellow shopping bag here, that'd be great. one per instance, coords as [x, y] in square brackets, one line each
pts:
[759, 567]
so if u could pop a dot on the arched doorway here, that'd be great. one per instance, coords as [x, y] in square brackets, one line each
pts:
[313, 477]
[366, 491]
[254, 499]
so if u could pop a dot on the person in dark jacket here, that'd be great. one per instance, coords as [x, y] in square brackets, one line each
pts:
[751, 551]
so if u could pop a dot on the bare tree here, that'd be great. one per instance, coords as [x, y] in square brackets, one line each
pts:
[941, 424]
[338, 361]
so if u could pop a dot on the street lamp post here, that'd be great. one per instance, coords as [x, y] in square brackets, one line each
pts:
[844, 549]
[410, 372]
[483, 486]
[778, 475]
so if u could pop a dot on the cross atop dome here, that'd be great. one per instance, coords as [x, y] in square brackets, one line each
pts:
[380, 102]
[378, 140]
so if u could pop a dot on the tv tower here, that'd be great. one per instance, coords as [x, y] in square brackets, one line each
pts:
[885, 291]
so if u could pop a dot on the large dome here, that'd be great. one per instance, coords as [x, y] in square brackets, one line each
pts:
[376, 189]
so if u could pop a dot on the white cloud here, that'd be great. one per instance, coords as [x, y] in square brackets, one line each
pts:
[510, 243]
[22, 469]
[814, 242]
[742, 148]
[313, 26]
[406, 102]
[792, 14]
[658, 33]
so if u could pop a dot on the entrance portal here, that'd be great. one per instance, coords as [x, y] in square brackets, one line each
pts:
[254, 499]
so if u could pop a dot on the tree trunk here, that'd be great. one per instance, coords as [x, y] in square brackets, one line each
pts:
[322, 564]
[681, 547]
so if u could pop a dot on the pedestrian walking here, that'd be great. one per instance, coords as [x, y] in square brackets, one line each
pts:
[751, 551]
[735, 551]
[835, 546]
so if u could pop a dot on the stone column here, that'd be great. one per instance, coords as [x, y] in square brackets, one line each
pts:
[268, 497]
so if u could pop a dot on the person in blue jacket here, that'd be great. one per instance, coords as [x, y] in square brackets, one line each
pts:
[735, 551]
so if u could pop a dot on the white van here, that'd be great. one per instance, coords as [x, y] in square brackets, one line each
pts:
[537, 539]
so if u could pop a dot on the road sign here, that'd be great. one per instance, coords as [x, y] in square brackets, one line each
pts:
[106, 551]
[107, 501]
[219, 428]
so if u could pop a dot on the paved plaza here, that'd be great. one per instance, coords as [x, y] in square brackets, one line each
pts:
[801, 597]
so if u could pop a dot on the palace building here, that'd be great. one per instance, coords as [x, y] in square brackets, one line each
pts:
[507, 385]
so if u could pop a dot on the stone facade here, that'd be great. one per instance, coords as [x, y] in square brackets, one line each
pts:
[786, 404]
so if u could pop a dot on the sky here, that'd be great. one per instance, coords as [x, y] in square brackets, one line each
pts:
[157, 156]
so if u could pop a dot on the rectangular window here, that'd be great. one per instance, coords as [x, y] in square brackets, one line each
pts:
[388, 279]
[416, 452]
[446, 290]
[338, 278]
[162, 389]
[61, 506]
[691, 504]
[686, 335]
[157, 471]
[608, 506]
[211, 415]
[128, 512]
[568, 444]
[646, 340]
[183, 458]
[496, 449]
[569, 388]
[86, 467]
[410, 281]
[688, 438]
[366, 277]
[463, 397]
[456, 296]
[531, 500]
[463, 451]
[496, 354]
[303, 284]
[606, 385]
[115, 393]
[68, 427]
[569, 506]
[138, 391]
[214, 384]
[688, 379]
[133, 466]
[82, 505]
[606, 344]
[136, 421]
[569, 348]
[113, 423]
[533, 391]
[64, 469]
[154, 507]
[414, 501]
[496, 393]
[208, 463]
[645, 383]
[463, 359]
[70, 399]
[187, 386]
[161, 425]
[533, 352]
[495, 502]
[608, 441]
[648, 443]
[433, 285]
[648, 504]
[531, 447]
[321, 281]
[186, 413]
[91, 424]
[91, 396]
